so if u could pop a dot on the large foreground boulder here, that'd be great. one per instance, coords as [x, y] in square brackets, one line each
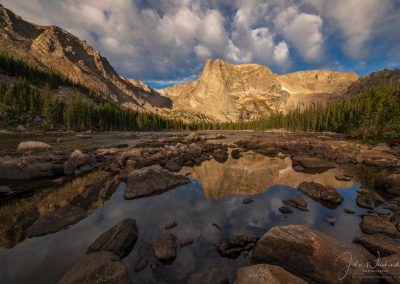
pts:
[312, 255]
[150, 181]
[55, 221]
[325, 194]
[164, 248]
[265, 273]
[99, 267]
[33, 145]
[120, 239]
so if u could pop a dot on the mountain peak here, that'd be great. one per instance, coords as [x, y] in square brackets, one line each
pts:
[229, 92]
[55, 48]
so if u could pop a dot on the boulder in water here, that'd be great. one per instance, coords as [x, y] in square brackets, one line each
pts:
[120, 239]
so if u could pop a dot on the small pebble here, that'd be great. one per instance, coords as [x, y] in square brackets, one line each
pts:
[332, 220]
[185, 242]
[171, 225]
[348, 211]
[247, 200]
[216, 226]
[141, 264]
[285, 210]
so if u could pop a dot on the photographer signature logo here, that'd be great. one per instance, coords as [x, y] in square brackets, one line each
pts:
[377, 265]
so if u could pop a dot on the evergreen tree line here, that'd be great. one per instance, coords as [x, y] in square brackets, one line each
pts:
[18, 68]
[22, 103]
[375, 113]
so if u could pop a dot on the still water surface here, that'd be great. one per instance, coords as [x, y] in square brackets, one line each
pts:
[214, 196]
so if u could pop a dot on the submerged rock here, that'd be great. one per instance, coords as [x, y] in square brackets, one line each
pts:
[235, 245]
[185, 242]
[120, 239]
[348, 211]
[247, 200]
[140, 264]
[171, 225]
[99, 267]
[151, 180]
[379, 244]
[33, 145]
[326, 194]
[285, 210]
[266, 273]
[313, 163]
[311, 254]
[363, 201]
[220, 155]
[332, 220]
[164, 249]
[56, 220]
[218, 227]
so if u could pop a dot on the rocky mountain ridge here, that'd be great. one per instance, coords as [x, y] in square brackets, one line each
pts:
[54, 48]
[223, 92]
[229, 92]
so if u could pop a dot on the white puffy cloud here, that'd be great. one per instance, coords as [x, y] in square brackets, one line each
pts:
[355, 19]
[202, 52]
[169, 40]
[303, 30]
[281, 52]
[252, 40]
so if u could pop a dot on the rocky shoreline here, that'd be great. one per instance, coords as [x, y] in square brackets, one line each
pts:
[293, 253]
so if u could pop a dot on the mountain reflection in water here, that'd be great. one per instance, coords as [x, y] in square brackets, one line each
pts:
[214, 196]
[254, 173]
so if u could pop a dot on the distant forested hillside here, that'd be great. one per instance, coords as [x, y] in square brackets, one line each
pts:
[29, 100]
[373, 115]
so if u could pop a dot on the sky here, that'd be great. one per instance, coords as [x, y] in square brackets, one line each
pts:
[164, 42]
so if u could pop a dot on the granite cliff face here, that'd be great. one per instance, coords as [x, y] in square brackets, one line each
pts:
[54, 48]
[228, 92]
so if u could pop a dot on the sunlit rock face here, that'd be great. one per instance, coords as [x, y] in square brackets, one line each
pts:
[229, 92]
[253, 174]
[57, 49]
